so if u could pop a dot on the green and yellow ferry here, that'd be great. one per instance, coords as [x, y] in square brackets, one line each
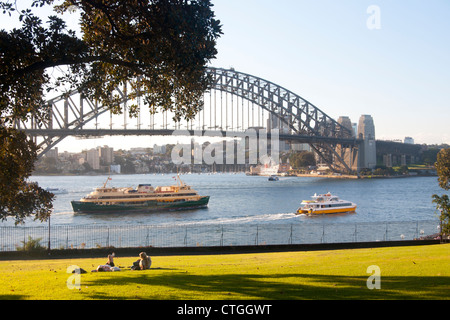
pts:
[145, 198]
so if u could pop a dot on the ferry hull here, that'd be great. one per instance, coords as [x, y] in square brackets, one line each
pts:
[147, 206]
[326, 211]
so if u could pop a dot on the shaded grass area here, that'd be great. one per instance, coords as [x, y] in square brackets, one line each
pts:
[420, 272]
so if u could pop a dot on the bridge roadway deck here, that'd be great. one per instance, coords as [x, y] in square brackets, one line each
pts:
[180, 132]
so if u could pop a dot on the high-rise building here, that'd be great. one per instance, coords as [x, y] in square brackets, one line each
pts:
[92, 157]
[366, 131]
[106, 155]
[346, 122]
[53, 153]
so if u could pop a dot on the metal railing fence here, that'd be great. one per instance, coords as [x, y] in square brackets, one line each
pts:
[192, 235]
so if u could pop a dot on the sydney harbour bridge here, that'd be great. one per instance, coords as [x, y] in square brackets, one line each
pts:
[235, 103]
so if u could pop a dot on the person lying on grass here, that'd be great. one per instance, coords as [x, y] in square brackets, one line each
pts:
[108, 266]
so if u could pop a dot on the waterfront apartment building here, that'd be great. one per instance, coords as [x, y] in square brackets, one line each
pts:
[106, 155]
[93, 158]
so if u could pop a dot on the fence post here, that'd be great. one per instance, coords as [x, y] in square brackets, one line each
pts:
[48, 234]
[67, 237]
[290, 236]
[323, 233]
[386, 234]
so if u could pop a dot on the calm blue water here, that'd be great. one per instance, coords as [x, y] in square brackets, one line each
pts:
[241, 199]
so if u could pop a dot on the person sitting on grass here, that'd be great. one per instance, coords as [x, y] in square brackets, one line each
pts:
[110, 261]
[143, 263]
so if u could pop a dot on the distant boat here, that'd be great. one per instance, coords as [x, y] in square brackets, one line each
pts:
[57, 190]
[324, 204]
[273, 178]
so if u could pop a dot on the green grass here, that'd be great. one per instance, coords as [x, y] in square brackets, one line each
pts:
[420, 272]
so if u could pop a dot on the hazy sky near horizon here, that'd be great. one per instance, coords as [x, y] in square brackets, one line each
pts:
[389, 59]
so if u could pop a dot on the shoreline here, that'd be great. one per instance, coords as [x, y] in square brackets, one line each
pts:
[301, 175]
[345, 176]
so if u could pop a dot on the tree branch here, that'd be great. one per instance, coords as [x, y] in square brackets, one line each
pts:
[42, 65]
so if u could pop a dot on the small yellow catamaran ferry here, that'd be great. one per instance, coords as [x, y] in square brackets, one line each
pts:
[145, 198]
[325, 204]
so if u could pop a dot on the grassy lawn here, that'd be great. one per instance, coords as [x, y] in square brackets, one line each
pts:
[421, 272]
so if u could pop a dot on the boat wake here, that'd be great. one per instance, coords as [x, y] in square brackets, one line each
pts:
[161, 218]
[253, 219]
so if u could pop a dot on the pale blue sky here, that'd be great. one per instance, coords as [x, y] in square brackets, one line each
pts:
[324, 51]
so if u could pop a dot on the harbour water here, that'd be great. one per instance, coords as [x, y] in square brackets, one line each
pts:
[243, 210]
[241, 199]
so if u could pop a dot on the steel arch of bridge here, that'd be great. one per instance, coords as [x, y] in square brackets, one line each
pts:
[301, 121]
[334, 143]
